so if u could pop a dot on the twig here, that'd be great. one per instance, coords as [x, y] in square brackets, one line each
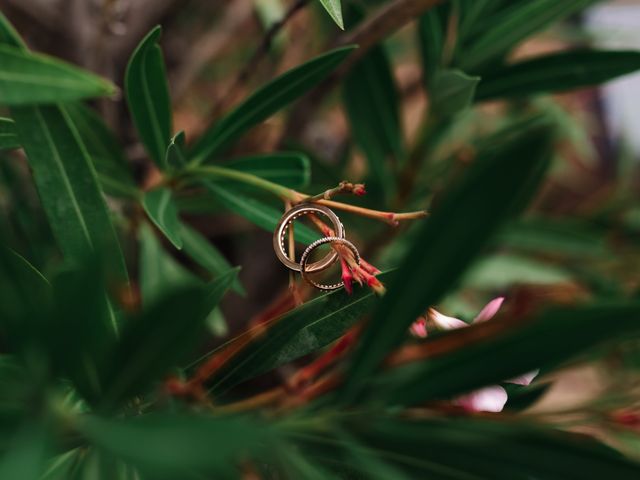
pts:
[208, 171]
[257, 401]
[391, 218]
[293, 285]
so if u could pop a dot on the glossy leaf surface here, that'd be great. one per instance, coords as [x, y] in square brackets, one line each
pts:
[29, 78]
[267, 101]
[162, 210]
[148, 96]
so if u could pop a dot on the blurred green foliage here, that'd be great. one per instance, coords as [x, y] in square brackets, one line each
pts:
[102, 319]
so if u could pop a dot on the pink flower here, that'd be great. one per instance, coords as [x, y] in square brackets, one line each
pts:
[364, 273]
[419, 328]
[347, 276]
[488, 399]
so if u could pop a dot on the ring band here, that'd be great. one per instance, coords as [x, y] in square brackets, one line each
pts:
[304, 270]
[281, 230]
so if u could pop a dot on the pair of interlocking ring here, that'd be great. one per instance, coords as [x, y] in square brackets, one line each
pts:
[303, 266]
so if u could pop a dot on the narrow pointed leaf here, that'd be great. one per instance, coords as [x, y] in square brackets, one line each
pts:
[452, 92]
[472, 11]
[206, 254]
[431, 34]
[371, 102]
[334, 9]
[67, 184]
[210, 445]
[471, 212]
[262, 214]
[8, 34]
[266, 101]
[80, 332]
[24, 296]
[302, 331]
[289, 169]
[65, 178]
[8, 135]
[514, 24]
[148, 96]
[160, 273]
[557, 72]
[25, 459]
[108, 157]
[162, 210]
[176, 156]
[29, 78]
[160, 338]
[468, 448]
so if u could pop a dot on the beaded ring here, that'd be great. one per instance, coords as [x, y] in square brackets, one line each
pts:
[304, 268]
[281, 230]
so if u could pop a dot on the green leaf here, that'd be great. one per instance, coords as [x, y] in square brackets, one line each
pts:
[564, 333]
[176, 158]
[148, 96]
[24, 296]
[8, 34]
[513, 24]
[504, 270]
[468, 448]
[180, 446]
[452, 92]
[302, 331]
[267, 101]
[432, 28]
[89, 463]
[160, 274]
[67, 184]
[8, 135]
[263, 215]
[36, 281]
[26, 456]
[162, 210]
[64, 466]
[160, 338]
[472, 11]
[491, 191]
[563, 237]
[557, 72]
[28, 78]
[206, 254]
[108, 157]
[334, 9]
[371, 100]
[79, 333]
[289, 169]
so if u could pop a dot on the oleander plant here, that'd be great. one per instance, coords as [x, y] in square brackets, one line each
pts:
[148, 330]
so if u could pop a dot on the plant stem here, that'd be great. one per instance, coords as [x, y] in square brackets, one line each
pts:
[294, 196]
[247, 178]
